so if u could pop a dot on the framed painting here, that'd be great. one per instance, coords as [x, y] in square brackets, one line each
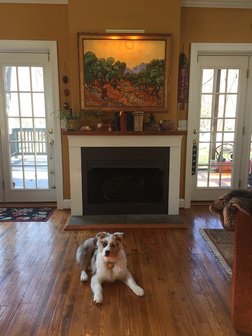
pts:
[124, 72]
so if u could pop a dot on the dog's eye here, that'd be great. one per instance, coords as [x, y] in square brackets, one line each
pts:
[112, 245]
[104, 244]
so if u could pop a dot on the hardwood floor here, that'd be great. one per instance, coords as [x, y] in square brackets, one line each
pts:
[186, 291]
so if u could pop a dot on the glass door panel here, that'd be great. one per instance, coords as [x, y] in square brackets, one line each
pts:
[217, 125]
[24, 91]
[30, 167]
[218, 113]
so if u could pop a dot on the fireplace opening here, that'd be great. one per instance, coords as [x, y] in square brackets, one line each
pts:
[125, 180]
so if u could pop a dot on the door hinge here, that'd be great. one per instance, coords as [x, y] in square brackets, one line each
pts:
[243, 130]
[247, 73]
[3, 184]
[239, 186]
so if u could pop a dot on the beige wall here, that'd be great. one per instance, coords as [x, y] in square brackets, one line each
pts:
[200, 25]
[95, 17]
[63, 22]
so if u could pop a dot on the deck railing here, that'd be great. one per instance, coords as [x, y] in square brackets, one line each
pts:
[28, 141]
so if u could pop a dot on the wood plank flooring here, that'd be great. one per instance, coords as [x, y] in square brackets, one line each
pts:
[186, 291]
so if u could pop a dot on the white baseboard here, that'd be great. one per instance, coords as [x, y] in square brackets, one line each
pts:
[64, 204]
[181, 202]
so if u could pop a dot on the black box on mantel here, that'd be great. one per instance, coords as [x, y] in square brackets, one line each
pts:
[117, 121]
[129, 121]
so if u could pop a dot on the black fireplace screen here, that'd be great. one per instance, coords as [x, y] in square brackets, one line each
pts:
[125, 180]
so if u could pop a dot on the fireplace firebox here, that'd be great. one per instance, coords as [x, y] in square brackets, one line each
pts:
[128, 180]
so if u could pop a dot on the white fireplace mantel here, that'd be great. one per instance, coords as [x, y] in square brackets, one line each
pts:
[77, 141]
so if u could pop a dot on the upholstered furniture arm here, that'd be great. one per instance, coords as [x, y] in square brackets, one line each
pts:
[242, 274]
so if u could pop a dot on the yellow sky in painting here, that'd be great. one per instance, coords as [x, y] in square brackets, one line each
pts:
[131, 52]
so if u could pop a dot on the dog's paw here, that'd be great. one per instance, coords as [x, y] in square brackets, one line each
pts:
[83, 276]
[139, 291]
[98, 298]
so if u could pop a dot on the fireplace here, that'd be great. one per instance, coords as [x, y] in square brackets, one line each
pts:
[125, 180]
[81, 140]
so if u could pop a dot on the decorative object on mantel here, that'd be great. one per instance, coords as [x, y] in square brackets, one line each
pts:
[183, 82]
[138, 121]
[167, 125]
[135, 71]
[105, 125]
[71, 119]
[152, 124]
[129, 121]
[122, 121]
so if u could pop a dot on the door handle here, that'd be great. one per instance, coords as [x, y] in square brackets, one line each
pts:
[51, 142]
[195, 131]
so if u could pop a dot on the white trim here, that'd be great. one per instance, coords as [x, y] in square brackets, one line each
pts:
[246, 4]
[196, 50]
[51, 48]
[76, 142]
[50, 2]
[66, 204]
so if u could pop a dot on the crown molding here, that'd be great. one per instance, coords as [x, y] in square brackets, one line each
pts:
[50, 2]
[246, 4]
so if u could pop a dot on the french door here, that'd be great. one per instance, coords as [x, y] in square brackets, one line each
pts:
[27, 127]
[221, 126]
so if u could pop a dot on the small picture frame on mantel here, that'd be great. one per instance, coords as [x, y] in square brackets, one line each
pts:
[124, 72]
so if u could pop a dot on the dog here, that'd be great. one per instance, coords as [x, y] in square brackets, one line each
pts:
[107, 258]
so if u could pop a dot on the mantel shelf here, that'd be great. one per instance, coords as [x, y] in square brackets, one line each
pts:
[129, 133]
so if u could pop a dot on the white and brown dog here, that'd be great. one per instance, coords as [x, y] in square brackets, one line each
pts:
[106, 256]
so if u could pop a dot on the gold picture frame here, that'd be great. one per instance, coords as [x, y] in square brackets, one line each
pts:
[124, 72]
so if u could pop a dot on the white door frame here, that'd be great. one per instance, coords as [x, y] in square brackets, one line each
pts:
[49, 47]
[196, 50]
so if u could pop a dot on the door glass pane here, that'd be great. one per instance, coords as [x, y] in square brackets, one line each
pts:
[25, 104]
[12, 107]
[10, 78]
[232, 85]
[37, 79]
[26, 117]
[207, 80]
[24, 83]
[217, 115]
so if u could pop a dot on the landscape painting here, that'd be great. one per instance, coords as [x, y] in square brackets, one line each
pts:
[124, 72]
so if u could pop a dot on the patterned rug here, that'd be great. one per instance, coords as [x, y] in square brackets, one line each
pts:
[221, 244]
[25, 214]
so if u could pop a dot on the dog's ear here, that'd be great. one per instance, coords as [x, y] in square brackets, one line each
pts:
[101, 235]
[119, 236]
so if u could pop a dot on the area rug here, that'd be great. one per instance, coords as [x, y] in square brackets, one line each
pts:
[221, 244]
[94, 222]
[25, 214]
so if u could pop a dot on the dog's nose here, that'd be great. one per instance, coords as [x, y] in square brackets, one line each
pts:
[107, 252]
